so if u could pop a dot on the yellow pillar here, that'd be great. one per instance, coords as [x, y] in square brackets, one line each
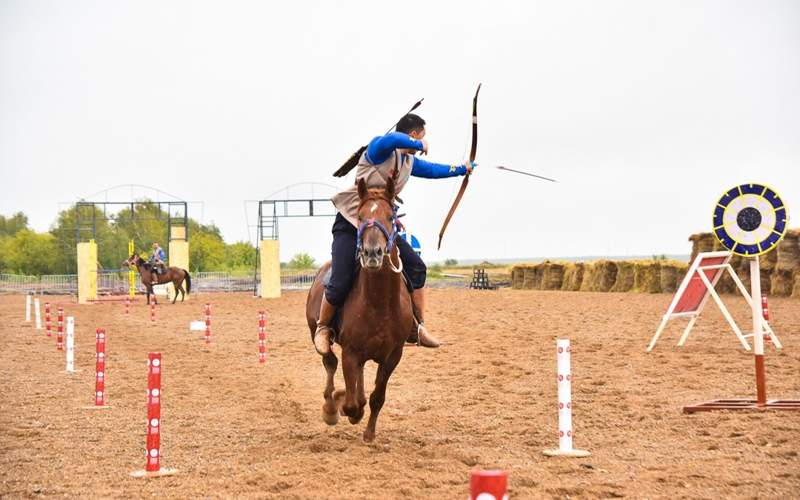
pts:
[178, 257]
[270, 269]
[131, 271]
[87, 271]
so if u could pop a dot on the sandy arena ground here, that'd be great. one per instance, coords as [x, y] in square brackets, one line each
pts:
[235, 428]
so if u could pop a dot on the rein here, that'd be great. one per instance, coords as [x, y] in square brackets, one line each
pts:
[390, 237]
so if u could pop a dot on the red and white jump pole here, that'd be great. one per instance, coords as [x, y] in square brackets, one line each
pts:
[100, 397]
[262, 337]
[48, 327]
[37, 310]
[153, 308]
[60, 331]
[153, 465]
[207, 310]
[565, 433]
[488, 485]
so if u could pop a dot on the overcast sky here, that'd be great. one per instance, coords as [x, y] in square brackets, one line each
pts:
[646, 112]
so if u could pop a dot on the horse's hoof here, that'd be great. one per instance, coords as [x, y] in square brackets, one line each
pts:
[354, 420]
[330, 418]
[369, 436]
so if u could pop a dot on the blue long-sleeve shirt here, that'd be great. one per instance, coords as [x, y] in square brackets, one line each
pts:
[381, 147]
[158, 254]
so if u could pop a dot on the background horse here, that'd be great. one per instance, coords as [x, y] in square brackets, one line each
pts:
[376, 318]
[175, 275]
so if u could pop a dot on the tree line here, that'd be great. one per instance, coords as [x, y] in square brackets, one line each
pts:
[25, 251]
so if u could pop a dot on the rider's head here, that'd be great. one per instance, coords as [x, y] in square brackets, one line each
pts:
[155, 245]
[413, 125]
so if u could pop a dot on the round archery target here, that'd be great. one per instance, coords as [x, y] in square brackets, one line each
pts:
[750, 219]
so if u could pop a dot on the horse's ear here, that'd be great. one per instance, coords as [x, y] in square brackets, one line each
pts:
[390, 189]
[362, 188]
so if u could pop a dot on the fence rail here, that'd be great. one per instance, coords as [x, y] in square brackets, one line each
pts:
[114, 282]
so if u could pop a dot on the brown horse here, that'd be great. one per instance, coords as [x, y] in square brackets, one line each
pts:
[376, 318]
[175, 275]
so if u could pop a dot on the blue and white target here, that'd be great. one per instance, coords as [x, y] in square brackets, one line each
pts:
[750, 219]
[413, 241]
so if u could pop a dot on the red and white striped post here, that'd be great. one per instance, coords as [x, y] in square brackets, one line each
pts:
[765, 313]
[152, 308]
[488, 484]
[207, 309]
[262, 337]
[60, 329]
[565, 434]
[47, 320]
[100, 370]
[153, 466]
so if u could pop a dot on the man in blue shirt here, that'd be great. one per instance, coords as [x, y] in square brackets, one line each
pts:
[157, 259]
[388, 155]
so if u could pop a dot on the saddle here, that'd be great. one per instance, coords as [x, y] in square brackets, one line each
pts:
[336, 323]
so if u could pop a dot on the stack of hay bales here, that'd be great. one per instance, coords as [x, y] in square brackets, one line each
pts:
[625, 277]
[552, 275]
[573, 276]
[599, 276]
[780, 272]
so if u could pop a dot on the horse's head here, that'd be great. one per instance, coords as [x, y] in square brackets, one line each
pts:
[377, 226]
[131, 261]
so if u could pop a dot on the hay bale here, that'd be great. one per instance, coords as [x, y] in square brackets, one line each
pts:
[517, 277]
[552, 276]
[796, 287]
[781, 283]
[671, 275]
[702, 242]
[588, 276]
[602, 276]
[573, 277]
[788, 252]
[624, 280]
[527, 279]
[647, 277]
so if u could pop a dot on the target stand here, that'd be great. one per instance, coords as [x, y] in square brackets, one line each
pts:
[750, 220]
[692, 295]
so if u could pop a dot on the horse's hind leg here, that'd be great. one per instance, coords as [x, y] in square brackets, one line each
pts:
[378, 396]
[351, 369]
[330, 410]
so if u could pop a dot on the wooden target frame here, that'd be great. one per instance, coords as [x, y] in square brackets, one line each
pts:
[697, 286]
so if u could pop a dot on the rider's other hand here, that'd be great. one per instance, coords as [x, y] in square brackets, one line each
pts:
[470, 166]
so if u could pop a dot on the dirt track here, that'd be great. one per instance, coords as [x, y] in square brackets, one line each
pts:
[486, 399]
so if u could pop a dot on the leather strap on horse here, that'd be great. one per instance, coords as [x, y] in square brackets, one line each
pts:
[465, 182]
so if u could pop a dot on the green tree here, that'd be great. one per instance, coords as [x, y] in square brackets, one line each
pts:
[28, 252]
[301, 261]
[240, 255]
[9, 226]
[450, 262]
[206, 252]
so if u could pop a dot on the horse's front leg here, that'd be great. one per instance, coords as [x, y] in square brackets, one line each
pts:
[330, 410]
[378, 396]
[350, 369]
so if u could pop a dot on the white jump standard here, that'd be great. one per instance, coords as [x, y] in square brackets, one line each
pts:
[565, 433]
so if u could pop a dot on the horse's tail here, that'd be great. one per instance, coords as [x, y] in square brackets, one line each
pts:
[188, 282]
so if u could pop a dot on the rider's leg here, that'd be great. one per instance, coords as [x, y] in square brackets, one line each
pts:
[343, 262]
[416, 271]
[154, 274]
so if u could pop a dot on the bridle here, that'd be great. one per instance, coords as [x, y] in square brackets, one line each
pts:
[390, 236]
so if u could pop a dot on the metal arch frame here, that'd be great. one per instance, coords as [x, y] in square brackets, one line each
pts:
[82, 226]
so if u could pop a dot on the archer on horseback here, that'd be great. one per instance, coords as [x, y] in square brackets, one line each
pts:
[388, 156]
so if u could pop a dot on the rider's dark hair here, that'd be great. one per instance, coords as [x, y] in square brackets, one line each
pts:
[409, 123]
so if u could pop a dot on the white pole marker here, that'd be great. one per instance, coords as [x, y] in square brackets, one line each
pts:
[565, 434]
[37, 310]
[70, 344]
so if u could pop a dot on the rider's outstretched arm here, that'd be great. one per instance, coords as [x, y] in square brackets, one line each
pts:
[431, 170]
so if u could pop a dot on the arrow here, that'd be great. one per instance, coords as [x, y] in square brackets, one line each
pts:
[526, 173]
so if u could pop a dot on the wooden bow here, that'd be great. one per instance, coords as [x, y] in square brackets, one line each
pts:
[465, 182]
